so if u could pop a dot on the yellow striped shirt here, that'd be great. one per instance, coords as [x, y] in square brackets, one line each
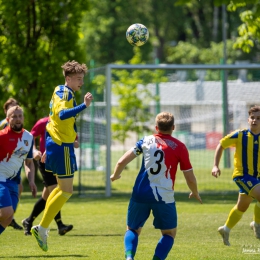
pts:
[247, 152]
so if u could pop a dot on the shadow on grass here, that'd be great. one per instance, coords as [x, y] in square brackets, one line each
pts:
[97, 235]
[209, 197]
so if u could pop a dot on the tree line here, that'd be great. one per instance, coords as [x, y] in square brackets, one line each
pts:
[37, 37]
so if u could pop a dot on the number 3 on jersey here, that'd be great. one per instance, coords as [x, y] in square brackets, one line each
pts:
[159, 156]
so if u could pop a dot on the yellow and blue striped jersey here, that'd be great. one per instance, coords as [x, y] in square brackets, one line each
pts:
[247, 152]
[3, 124]
[62, 131]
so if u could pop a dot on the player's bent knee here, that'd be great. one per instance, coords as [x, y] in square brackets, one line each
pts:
[170, 232]
[6, 214]
[255, 192]
[138, 231]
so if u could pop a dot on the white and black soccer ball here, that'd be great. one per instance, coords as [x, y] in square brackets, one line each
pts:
[137, 34]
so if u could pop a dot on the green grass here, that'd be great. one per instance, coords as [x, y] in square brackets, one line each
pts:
[99, 227]
[93, 182]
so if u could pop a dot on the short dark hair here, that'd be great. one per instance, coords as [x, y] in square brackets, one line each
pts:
[164, 121]
[253, 109]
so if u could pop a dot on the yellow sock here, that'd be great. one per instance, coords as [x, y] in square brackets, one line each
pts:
[234, 216]
[52, 194]
[257, 213]
[54, 206]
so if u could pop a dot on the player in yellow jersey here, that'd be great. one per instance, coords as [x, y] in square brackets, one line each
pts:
[246, 172]
[60, 136]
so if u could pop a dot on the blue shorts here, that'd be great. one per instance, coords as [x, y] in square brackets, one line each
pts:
[60, 159]
[246, 183]
[165, 215]
[9, 194]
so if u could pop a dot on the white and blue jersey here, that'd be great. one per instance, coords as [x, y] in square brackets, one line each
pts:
[161, 156]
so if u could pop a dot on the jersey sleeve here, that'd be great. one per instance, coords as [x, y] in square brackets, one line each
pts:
[185, 164]
[30, 154]
[229, 140]
[137, 149]
[71, 112]
[3, 124]
[37, 128]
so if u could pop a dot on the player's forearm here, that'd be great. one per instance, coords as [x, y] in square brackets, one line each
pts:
[218, 154]
[121, 164]
[29, 170]
[71, 112]
[191, 181]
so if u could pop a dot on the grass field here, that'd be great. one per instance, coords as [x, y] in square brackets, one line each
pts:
[93, 182]
[99, 227]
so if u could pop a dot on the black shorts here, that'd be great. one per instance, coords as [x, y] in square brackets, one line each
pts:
[48, 178]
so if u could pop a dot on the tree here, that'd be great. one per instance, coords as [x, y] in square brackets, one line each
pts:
[104, 30]
[134, 98]
[37, 37]
[249, 30]
[133, 95]
[248, 33]
[168, 21]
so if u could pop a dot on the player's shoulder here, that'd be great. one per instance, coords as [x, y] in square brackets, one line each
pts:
[4, 132]
[27, 133]
[236, 133]
[43, 120]
[176, 140]
[64, 92]
[171, 139]
[3, 123]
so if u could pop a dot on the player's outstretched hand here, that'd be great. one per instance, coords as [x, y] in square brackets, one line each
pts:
[88, 98]
[196, 196]
[215, 172]
[113, 177]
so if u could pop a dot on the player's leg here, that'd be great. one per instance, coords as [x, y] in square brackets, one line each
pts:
[238, 210]
[6, 208]
[131, 242]
[60, 159]
[165, 219]
[245, 184]
[6, 216]
[51, 182]
[234, 216]
[137, 215]
[13, 223]
[255, 224]
[54, 203]
[38, 208]
[165, 244]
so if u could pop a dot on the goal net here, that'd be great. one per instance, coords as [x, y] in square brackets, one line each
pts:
[207, 101]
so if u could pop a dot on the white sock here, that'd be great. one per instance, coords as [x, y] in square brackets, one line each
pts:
[226, 229]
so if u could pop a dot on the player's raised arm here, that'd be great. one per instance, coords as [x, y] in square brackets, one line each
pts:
[121, 164]
[88, 98]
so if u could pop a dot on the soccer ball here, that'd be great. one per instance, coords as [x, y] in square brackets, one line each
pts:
[137, 34]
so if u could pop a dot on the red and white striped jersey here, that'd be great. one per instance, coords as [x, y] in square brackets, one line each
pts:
[14, 149]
